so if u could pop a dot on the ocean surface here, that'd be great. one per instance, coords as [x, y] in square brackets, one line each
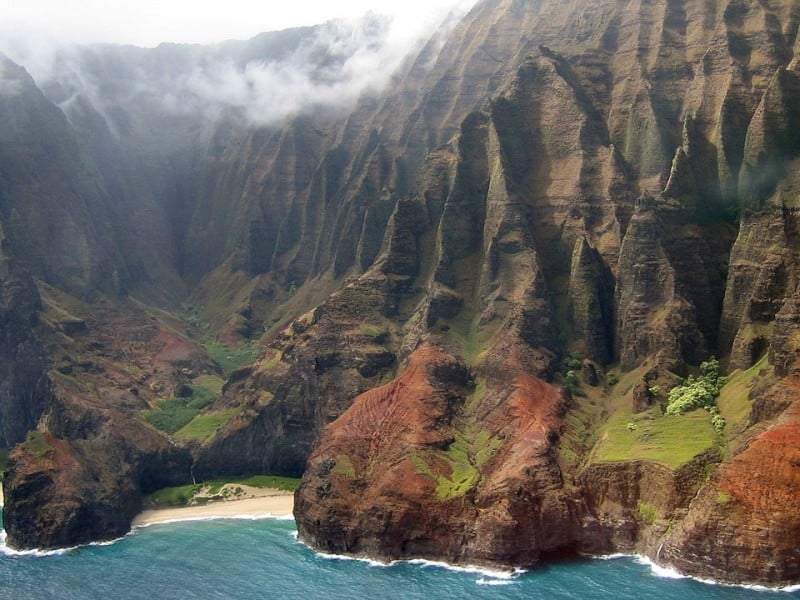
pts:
[263, 559]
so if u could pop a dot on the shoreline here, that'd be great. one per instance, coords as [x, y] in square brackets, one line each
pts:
[278, 504]
[273, 504]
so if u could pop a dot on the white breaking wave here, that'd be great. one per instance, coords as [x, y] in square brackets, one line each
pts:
[9, 551]
[672, 573]
[344, 557]
[615, 556]
[483, 581]
[659, 570]
[486, 572]
[488, 576]
[243, 517]
[38, 553]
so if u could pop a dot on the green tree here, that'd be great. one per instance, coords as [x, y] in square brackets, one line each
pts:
[699, 392]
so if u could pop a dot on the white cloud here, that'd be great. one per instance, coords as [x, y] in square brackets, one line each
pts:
[360, 54]
[149, 22]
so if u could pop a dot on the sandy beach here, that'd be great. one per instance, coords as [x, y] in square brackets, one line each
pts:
[271, 503]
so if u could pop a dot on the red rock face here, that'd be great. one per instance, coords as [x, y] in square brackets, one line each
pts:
[766, 476]
[381, 484]
[744, 526]
[408, 471]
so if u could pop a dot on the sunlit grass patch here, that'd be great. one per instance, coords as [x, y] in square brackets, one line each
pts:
[184, 494]
[734, 398]
[229, 358]
[669, 439]
[175, 414]
[204, 426]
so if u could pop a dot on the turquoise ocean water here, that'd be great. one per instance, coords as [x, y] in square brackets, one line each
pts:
[248, 559]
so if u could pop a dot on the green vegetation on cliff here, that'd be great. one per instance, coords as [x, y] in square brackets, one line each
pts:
[672, 434]
[672, 440]
[344, 466]
[734, 398]
[699, 392]
[463, 474]
[36, 444]
[203, 427]
[229, 358]
[646, 512]
[174, 414]
[464, 458]
[171, 416]
[471, 339]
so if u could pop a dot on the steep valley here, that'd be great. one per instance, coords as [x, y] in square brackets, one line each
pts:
[462, 310]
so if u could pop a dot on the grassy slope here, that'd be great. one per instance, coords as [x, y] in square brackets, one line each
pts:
[230, 358]
[615, 433]
[621, 434]
[204, 426]
[178, 415]
[734, 399]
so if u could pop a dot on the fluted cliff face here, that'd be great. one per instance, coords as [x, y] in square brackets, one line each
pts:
[24, 389]
[546, 191]
[594, 191]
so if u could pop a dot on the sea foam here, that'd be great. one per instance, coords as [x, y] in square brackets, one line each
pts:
[615, 556]
[9, 551]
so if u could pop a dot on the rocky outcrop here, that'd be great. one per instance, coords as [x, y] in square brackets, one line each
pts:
[743, 526]
[476, 490]
[764, 261]
[88, 458]
[316, 366]
[84, 483]
[591, 301]
[785, 342]
[626, 507]
[55, 214]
